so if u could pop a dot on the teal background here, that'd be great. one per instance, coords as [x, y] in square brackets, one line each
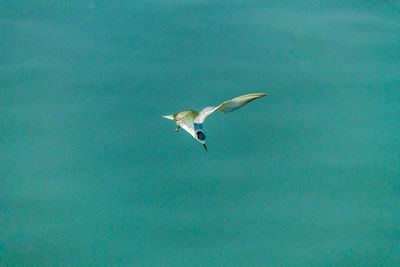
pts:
[91, 175]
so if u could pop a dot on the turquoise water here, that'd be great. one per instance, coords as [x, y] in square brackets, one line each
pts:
[91, 175]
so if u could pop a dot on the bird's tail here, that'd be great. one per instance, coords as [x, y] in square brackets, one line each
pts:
[170, 117]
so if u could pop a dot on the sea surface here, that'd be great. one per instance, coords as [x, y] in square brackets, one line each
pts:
[92, 175]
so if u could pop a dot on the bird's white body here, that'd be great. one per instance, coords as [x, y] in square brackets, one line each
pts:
[192, 121]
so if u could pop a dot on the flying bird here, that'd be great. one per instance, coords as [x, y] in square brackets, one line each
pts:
[192, 121]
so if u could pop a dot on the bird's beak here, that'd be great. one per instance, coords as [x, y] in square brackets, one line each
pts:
[205, 146]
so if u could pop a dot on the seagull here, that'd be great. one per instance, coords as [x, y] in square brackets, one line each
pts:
[192, 121]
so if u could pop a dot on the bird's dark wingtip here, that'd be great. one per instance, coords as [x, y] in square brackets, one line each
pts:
[205, 147]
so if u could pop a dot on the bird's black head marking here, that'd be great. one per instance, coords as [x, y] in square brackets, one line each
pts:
[200, 135]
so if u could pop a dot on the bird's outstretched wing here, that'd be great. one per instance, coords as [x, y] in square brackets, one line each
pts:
[227, 106]
[185, 120]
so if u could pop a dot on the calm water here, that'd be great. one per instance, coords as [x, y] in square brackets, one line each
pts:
[91, 175]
